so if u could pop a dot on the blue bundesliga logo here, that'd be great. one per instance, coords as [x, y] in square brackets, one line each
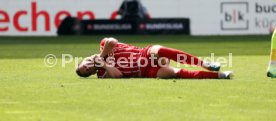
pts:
[234, 16]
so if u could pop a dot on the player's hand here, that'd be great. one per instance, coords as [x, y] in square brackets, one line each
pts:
[99, 61]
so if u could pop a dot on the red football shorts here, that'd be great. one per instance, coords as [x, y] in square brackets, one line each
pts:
[149, 71]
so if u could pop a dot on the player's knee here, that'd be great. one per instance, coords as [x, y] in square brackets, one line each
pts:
[154, 49]
[167, 72]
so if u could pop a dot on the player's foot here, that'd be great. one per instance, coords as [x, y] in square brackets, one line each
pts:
[226, 75]
[212, 66]
[268, 74]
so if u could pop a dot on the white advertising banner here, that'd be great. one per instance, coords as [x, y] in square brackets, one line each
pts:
[208, 17]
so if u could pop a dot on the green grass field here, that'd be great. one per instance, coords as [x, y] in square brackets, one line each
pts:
[30, 91]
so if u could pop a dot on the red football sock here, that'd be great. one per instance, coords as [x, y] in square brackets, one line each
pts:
[185, 74]
[184, 58]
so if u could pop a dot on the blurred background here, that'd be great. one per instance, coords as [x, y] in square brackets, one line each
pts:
[198, 17]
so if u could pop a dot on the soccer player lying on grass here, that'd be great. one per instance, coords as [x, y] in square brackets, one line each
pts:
[119, 60]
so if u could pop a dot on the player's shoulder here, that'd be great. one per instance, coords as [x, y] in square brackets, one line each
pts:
[103, 41]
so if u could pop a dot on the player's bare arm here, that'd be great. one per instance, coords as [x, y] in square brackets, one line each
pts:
[108, 46]
[112, 72]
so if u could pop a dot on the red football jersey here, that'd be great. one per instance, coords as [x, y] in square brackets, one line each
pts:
[126, 59]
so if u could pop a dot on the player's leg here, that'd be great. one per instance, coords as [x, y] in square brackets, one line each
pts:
[167, 72]
[272, 64]
[171, 72]
[182, 57]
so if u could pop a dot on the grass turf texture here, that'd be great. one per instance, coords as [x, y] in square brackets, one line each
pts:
[30, 91]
